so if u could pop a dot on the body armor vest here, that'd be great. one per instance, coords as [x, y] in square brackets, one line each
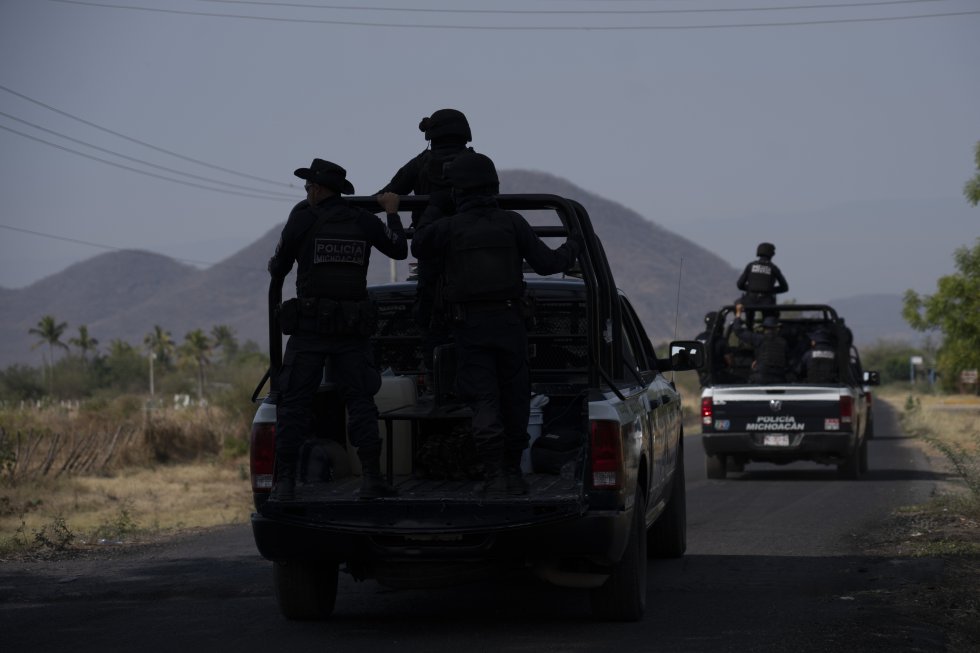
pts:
[822, 366]
[760, 277]
[770, 356]
[484, 262]
[337, 253]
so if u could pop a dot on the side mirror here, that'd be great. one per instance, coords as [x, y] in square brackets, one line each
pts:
[872, 378]
[686, 355]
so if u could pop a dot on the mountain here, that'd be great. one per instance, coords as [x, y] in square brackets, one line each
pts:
[671, 281]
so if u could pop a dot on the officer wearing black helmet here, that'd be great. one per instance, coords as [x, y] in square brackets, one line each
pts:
[761, 279]
[819, 363]
[485, 247]
[448, 132]
[770, 348]
[331, 318]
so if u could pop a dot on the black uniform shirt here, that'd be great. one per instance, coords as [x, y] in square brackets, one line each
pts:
[433, 239]
[389, 240]
[776, 279]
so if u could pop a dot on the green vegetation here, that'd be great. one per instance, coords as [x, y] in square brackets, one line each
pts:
[955, 311]
[972, 187]
[162, 367]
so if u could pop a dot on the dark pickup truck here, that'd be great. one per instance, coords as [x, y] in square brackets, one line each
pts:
[605, 469]
[791, 420]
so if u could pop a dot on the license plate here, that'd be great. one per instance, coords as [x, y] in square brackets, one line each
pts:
[775, 440]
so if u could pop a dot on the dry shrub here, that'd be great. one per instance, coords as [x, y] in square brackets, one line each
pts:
[53, 442]
[183, 436]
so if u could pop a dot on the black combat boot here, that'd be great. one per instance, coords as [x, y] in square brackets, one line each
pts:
[514, 478]
[373, 484]
[285, 485]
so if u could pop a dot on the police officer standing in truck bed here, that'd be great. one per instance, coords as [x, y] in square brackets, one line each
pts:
[485, 247]
[331, 318]
[762, 280]
[447, 132]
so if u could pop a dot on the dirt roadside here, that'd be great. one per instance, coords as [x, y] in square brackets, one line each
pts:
[946, 528]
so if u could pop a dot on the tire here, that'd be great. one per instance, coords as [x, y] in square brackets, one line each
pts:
[851, 468]
[863, 462]
[667, 537]
[869, 429]
[715, 466]
[305, 591]
[623, 597]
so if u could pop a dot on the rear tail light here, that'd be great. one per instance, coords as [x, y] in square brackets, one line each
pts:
[607, 455]
[707, 410]
[262, 455]
[846, 409]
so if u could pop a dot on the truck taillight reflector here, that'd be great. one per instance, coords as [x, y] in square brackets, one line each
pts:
[607, 455]
[846, 409]
[262, 456]
[707, 410]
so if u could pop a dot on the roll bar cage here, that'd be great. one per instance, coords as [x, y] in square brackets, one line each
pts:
[602, 296]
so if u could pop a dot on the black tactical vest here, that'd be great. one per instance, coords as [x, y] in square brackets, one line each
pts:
[337, 255]
[484, 262]
[822, 366]
[770, 355]
[760, 277]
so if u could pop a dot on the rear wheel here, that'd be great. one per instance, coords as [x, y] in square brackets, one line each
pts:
[851, 467]
[667, 538]
[715, 465]
[863, 463]
[305, 591]
[623, 597]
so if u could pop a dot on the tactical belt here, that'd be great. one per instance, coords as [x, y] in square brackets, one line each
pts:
[328, 317]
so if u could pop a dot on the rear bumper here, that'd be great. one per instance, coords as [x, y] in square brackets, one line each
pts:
[802, 446]
[600, 538]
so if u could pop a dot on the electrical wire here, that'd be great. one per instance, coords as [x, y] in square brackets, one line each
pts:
[525, 28]
[142, 172]
[568, 12]
[139, 142]
[270, 194]
[118, 249]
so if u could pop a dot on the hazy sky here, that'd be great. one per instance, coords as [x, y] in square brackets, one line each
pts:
[711, 130]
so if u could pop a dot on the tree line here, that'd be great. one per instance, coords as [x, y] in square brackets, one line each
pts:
[77, 367]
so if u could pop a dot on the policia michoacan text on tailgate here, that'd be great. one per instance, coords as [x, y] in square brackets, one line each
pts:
[605, 468]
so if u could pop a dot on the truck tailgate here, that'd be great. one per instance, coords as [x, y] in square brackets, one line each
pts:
[786, 409]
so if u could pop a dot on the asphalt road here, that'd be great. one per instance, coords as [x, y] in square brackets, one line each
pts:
[774, 563]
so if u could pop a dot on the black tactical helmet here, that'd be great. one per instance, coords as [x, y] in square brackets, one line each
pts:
[710, 317]
[446, 123]
[766, 249]
[471, 170]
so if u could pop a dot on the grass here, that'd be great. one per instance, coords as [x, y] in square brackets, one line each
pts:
[176, 470]
[948, 525]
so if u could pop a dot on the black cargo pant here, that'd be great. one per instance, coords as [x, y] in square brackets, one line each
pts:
[493, 378]
[351, 366]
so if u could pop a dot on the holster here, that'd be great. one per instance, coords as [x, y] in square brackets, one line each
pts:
[288, 314]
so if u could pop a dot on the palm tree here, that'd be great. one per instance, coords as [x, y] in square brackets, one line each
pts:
[49, 330]
[84, 342]
[224, 339]
[161, 343]
[197, 347]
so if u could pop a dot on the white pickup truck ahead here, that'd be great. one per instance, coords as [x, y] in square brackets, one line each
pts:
[826, 422]
[605, 472]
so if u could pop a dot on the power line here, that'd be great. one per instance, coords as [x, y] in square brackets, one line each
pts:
[142, 172]
[139, 142]
[116, 249]
[568, 12]
[270, 194]
[525, 28]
